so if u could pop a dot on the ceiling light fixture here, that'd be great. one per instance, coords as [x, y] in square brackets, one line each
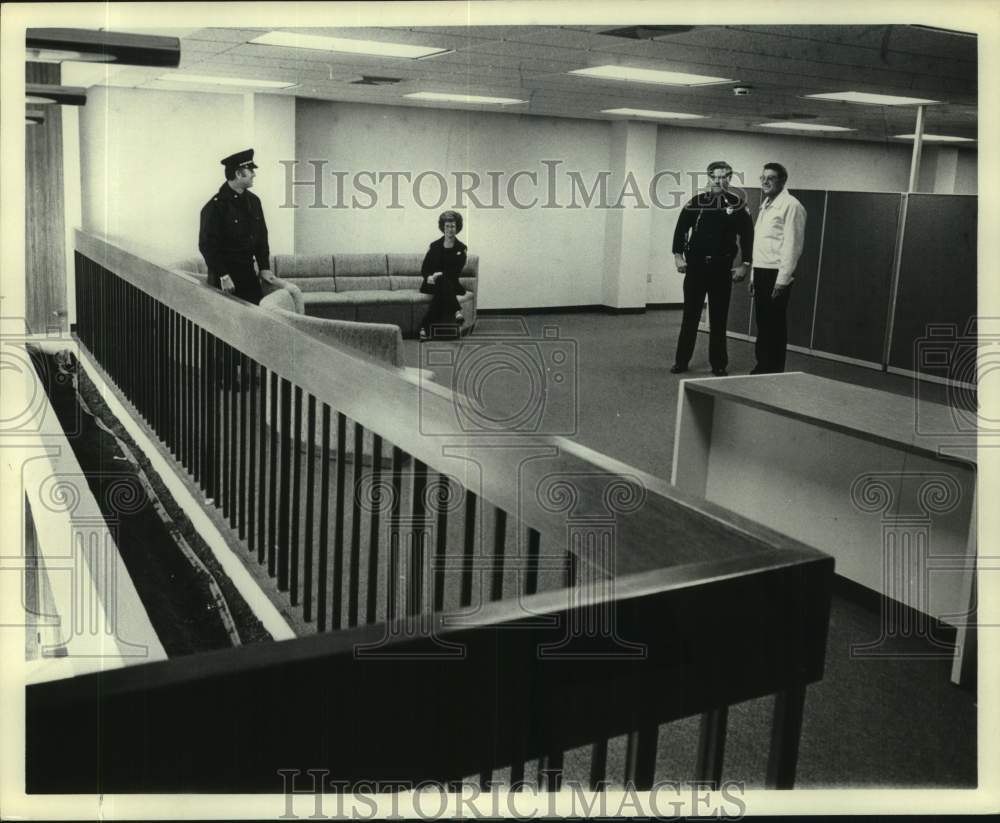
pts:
[85, 45]
[803, 126]
[660, 115]
[939, 138]
[41, 94]
[463, 98]
[376, 48]
[208, 80]
[663, 78]
[33, 118]
[870, 99]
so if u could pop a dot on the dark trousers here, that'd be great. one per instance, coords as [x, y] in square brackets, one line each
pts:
[444, 303]
[715, 279]
[772, 322]
[244, 278]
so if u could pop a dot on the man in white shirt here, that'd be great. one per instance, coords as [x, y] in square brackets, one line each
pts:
[778, 237]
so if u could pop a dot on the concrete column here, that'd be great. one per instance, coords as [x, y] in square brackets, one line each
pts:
[946, 170]
[630, 220]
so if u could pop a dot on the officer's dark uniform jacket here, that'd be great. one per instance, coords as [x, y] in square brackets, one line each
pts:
[715, 220]
[233, 233]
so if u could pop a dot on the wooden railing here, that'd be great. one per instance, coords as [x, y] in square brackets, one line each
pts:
[622, 603]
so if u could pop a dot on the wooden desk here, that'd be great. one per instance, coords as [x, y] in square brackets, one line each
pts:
[884, 483]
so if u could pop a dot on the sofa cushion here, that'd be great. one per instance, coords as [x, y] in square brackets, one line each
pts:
[404, 264]
[352, 265]
[471, 268]
[469, 283]
[303, 265]
[374, 297]
[313, 284]
[362, 282]
[405, 282]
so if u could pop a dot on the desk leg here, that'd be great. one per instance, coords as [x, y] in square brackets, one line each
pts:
[963, 664]
[786, 729]
[692, 441]
[712, 746]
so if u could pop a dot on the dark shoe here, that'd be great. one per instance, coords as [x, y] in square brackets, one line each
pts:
[422, 335]
[459, 318]
[756, 370]
[676, 369]
[720, 373]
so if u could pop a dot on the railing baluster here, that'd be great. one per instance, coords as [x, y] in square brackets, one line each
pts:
[293, 580]
[307, 582]
[371, 600]
[197, 387]
[531, 576]
[338, 526]
[354, 583]
[284, 493]
[234, 397]
[272, 475]
[418, 528]
[212, 430]
[550, 772]
[392, 576]
[598, 765]
[189, 382]
[468, 548]
[499, 539]
[441, 542]
[245, 386]
[252, 439]
[324, 520]
[261, 436]
[205, 393]
[640, 756]
[712, 746]
[224, 427]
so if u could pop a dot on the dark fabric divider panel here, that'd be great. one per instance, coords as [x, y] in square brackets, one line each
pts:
[740, 305]
[800, 308]
[853, 300]
[937, 278]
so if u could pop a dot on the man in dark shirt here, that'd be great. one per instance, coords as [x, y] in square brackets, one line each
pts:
[233, 232]
[706, 253]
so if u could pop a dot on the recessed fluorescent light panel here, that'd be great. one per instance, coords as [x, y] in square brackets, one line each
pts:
[207, 80]
[804, 127]
[376, 48]
[870, 99]
[940, 138]
[663, 78]
[660, 115]
[463, 98]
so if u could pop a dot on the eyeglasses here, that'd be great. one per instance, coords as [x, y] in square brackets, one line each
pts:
[764, 178]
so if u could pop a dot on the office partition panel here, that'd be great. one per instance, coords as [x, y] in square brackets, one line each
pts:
[937, 286]
[740, 304]
[803, 298]
[852, 302]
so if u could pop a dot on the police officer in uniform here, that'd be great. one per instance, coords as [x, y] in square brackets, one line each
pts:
[706, 253]
[233, 232]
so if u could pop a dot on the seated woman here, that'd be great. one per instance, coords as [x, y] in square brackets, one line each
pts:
[444, 260]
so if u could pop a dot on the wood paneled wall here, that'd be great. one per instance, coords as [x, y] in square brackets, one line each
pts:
[45, 232]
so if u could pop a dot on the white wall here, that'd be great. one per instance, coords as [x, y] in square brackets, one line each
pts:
[149, 162]
[812, 163]
[528, 257]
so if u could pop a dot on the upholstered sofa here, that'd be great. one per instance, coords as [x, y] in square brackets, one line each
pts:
[365, 288]
[381, 342]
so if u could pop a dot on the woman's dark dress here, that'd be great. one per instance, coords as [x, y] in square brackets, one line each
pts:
[446, 289]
